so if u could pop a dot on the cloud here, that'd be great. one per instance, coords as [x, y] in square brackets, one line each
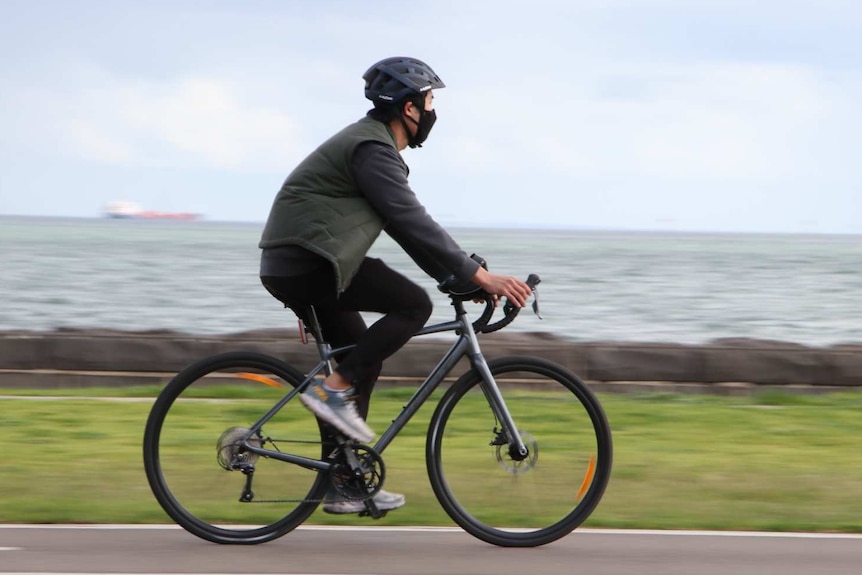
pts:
[201, 119]
[191, 122]
[752, 122]
[592, 104]
[92, 142]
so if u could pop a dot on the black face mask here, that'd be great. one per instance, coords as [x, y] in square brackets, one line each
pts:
[423, 127]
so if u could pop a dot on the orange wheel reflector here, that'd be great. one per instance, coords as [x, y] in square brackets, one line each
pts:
[260, 379]
[588, 479]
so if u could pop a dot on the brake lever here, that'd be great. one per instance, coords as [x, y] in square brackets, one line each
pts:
[533, 281]
[536, 303]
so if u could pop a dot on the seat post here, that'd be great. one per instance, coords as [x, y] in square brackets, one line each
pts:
[323, 347]
[313, 323]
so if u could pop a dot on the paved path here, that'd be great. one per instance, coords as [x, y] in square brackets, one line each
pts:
[422, 551]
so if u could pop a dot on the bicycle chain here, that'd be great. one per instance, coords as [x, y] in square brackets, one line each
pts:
[341, 497]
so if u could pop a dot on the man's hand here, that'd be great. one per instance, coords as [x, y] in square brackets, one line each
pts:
[510, 287]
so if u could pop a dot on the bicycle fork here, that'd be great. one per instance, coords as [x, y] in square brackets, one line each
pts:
[517, 449]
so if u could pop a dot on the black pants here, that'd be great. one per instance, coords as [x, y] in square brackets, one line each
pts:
[376, 288]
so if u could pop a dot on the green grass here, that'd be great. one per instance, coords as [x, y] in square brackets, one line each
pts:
[775, 461]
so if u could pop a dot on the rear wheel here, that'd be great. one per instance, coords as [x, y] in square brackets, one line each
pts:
[196, 464]
[509, 499]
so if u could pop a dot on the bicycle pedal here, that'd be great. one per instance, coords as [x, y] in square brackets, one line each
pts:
[371, 510]
[374, 515]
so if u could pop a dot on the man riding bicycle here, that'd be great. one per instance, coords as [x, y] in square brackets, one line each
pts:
[324, 220]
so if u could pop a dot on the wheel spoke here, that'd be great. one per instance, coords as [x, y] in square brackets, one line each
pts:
[197, 450]
[553, 488]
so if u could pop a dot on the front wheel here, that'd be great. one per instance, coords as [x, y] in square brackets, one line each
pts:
[512, 499]
[197, 465]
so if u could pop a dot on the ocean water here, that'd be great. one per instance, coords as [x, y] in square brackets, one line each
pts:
[202, 278]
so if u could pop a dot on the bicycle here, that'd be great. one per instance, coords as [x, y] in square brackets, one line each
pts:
[545, 450]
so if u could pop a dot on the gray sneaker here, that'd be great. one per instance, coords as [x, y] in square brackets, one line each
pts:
[384, 500]
[336, 409]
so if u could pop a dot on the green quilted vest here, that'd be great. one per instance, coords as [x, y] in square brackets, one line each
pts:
[320, 208]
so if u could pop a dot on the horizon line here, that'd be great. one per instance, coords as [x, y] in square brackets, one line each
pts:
[475, 225]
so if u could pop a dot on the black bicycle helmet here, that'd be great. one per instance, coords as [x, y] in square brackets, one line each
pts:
[393, 79]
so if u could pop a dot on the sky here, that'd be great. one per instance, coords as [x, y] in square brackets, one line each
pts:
[694, 115]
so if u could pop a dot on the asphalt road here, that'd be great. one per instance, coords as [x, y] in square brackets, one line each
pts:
[415, 551]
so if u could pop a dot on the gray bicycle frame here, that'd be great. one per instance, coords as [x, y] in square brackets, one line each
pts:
[467, 345]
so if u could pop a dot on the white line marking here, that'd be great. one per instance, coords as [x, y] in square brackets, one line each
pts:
[10, 549]
[428, 529]
[695, 533]
[78, 398]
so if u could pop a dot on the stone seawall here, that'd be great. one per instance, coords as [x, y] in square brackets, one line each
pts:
[102, 357]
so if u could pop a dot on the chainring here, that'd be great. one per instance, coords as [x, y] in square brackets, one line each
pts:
[358, 472]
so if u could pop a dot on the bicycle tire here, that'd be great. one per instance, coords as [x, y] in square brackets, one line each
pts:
[183, 442]
[554, 489]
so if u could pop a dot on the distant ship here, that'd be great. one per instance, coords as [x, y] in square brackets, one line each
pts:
[131, 210]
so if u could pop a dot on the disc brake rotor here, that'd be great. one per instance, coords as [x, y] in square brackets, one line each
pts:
[517, 467]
